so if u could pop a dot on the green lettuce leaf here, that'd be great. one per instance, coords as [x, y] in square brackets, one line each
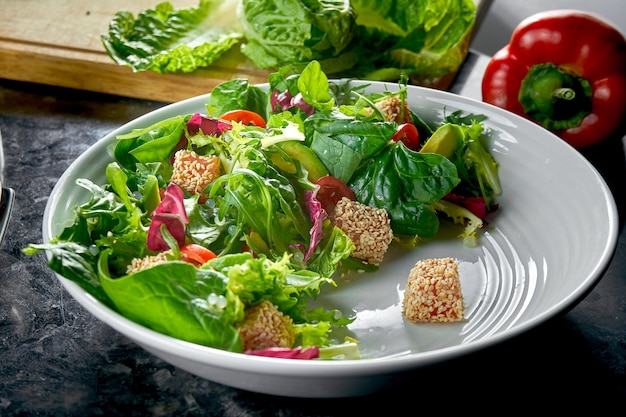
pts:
[165, 39]
[425, 38]
[284, 32]
[377, 40]
[237, 94]
[400, 18]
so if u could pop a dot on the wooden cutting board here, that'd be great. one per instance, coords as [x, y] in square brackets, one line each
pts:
[57, 42]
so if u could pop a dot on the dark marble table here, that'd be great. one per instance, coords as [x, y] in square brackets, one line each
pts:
[56, 359]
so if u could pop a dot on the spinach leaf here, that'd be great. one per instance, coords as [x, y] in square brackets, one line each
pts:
[405, 183]
[152, 144]
[74, 262]
[343, 142]
[237, 94]
[181, 292]
[313, 84]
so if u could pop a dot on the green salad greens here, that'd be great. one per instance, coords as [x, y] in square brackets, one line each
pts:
[168, 40]
[376, 40]
[210, 221]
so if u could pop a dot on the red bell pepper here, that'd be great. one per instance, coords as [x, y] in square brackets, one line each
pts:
[565, 70]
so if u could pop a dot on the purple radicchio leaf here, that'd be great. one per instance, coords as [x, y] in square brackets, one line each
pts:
[208, 125]
[299, 101]
[171, 213]
[285, 101]
[317, 215]
[312, 352]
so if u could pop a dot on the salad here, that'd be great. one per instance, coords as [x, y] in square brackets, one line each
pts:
[221, 228]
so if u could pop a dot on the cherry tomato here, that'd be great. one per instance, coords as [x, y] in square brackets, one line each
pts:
[196, 254]
[332, 189]
[407, 133]
[246, 117]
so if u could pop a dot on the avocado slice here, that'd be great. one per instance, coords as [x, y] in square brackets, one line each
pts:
[305, 155]
[444, 140]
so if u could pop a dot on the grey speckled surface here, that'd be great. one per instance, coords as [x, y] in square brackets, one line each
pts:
[56, 359]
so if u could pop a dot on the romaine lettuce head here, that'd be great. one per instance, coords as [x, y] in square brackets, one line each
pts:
[400, 18]
[425, 38]
[286, 32]
[169, 40]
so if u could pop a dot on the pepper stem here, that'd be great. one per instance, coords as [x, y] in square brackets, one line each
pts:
[554, 97]
[565, 94]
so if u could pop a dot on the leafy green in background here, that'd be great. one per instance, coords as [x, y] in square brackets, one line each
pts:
[427, 38]
[283, 32]
[168, 40]
[371, 39]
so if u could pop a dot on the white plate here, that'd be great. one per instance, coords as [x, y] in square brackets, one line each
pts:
[546, 247]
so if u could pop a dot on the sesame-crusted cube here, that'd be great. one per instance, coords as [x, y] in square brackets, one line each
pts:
[433, 292]
[264, 326]
[369, 228]
[139, 264]
[193, 172]
[395, 109]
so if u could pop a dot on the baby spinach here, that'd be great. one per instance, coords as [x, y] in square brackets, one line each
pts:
[151, 144]
[342, 142]
[237, 94]
[181, 292]
[404, 183]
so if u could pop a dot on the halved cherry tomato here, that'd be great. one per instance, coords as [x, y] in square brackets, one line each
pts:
[332, 189]
[246, 117]
[407, 133]
[196, 254]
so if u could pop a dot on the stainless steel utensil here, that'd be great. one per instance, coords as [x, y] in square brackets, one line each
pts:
[6, 197]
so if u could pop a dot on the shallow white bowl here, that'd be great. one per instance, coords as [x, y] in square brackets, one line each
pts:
[549, 243]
